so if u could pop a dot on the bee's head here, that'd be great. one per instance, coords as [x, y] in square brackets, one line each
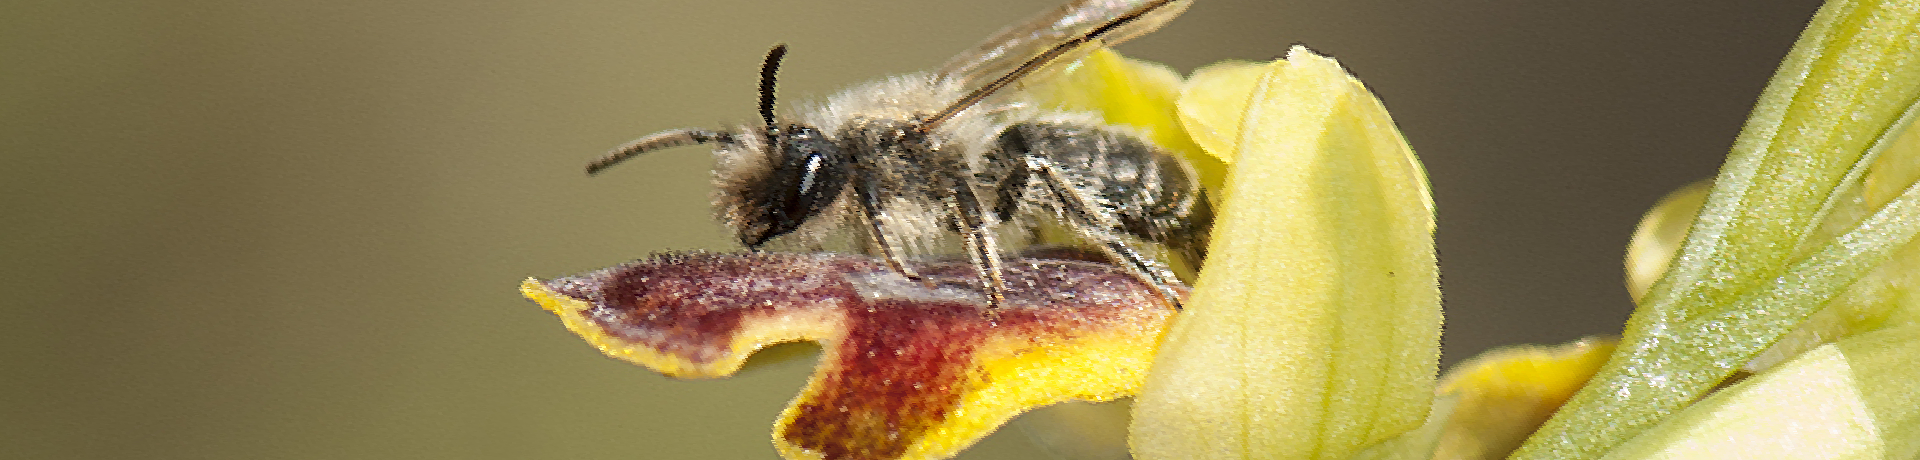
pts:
[770, 187]
[771, 179]
[800, 172]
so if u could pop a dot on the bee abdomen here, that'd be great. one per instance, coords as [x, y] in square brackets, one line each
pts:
[1127, 184]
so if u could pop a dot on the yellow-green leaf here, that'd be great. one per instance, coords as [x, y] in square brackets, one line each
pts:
[1858, 398]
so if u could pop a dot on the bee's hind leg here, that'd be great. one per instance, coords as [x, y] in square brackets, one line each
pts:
[1078, 209]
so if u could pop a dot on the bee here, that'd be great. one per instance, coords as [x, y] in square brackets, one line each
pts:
[908, 160]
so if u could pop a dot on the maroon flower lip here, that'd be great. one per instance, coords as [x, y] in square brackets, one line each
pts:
[910, 369]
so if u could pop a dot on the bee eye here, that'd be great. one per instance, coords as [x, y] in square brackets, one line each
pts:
[808, 173]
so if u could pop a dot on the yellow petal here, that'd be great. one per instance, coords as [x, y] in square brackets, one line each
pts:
[1214, 102]
[1314, 329]
[1486, 406]
[1506, 393]
[1659, 234]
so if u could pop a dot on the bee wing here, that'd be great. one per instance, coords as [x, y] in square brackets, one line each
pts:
[1055, 37]
[1013, 46]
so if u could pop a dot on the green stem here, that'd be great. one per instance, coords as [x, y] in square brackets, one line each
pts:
[1749, 271]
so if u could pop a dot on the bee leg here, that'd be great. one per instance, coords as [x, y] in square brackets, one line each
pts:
[982, 248]
[877, 233]
[1079, 212]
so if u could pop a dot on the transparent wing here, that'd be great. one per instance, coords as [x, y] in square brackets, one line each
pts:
[1013, 46]
[1058, 36]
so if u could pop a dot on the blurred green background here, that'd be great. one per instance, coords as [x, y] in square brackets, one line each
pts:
[274, 229]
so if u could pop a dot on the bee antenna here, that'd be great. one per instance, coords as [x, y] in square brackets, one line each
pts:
[656, 141]
[767, 72]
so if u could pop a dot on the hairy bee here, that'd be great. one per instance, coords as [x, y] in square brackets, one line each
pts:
[919, 157]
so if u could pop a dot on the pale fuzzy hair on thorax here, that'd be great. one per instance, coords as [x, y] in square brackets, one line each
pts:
[906, 97]
[898, 97]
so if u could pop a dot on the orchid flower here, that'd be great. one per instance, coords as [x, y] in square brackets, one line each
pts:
[1777, 308]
